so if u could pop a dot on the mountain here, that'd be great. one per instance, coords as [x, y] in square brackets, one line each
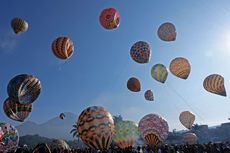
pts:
[53, 128]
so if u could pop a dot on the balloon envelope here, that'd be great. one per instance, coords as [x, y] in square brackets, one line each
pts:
[10, 138]
[110, 18]
[19, 25]
[180, 67]
[153, 129]
[141, 52]
[190, 138]
[24, 89]
[215, 84]
[96, 127]
[149, 95]
[159, 73]
[167, 32]
[63, 48]
[134, 84]
[126, 134]
[16, 111]
[59, 143]
[62, 116]
[187, 119]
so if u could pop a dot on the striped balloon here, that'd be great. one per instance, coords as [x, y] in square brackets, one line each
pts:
[41, 147]
[16, 111]
[149, 95]
[167, 32]
[187, 119]
[63, 48]
[190, 138]
[96, 127]
[215, 84]
[153, 129]
[140, 52]
[59, 143]
[159, 73]
[62, 116]
[19, 25]
[134, 84]
[152, 139]
[110, 18]
[126, 134]
[24, 88]
[180, 67]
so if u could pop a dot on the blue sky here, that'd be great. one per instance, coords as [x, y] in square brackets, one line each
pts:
[98, 71]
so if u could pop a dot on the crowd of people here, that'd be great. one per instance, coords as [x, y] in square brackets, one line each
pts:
[183, 148]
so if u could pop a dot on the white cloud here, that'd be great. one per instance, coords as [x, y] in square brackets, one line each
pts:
[101, 100]
[133, 113]
[7, 43]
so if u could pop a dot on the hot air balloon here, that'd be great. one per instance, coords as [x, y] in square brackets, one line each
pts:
[153, 129]
[134, 84]
[59, 143]
[62, 116]
[190, 138]
[180, 67]
[41, 147]
[187, 119]
[140, 52]
[167, 32]
[159, 73]
[96, 127]
[24, 89]
[63, 48]
[10, 138]
[149, 95]
[215, 84]
[110, 18]
[19, 25]
[126, 134]
[16, 111]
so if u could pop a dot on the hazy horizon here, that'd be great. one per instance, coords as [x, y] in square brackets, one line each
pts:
[98, 71]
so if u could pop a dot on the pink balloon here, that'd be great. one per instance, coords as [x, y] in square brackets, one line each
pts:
[154, 124]
[110, 18]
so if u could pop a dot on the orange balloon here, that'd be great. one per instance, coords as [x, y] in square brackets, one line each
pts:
[63, 48]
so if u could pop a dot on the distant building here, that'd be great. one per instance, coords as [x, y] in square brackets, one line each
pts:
[204, 133]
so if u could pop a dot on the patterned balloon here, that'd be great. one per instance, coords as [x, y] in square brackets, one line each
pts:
[149, 95]
[110, 18]
[59, 143]
[96, 127]
[19, 25]
[24, 88]
[153, 129]
[187, 119]
[215, 84]
[63, 48]
[16, 111]
[10, 139]
[159, 73]
[180, 67]
[190, 138]
[167, 32]
[134, 84]
[126, 134]
[140, 52]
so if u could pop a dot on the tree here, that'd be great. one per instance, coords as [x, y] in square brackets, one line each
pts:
[195, 128]
[117, 118]
[75, 133]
